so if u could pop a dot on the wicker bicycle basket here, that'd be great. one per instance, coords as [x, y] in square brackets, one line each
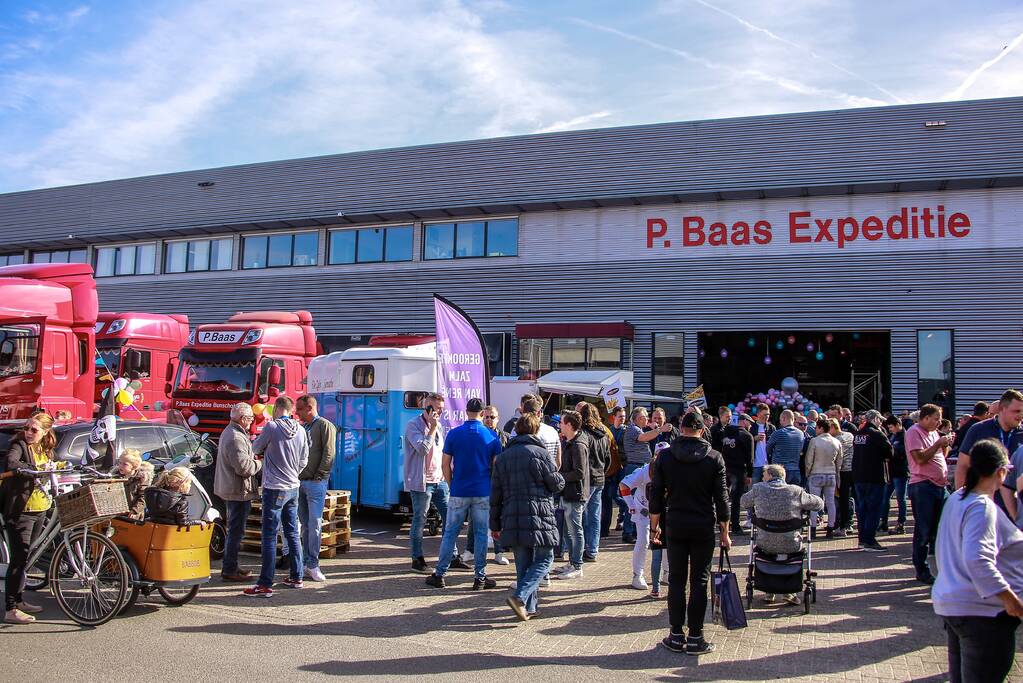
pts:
[97, 500]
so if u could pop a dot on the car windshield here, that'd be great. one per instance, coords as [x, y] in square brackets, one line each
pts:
[19, 349]
[227, 380]
[108, 360]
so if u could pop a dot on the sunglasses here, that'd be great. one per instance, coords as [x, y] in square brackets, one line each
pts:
[490, 417]
[33, 430]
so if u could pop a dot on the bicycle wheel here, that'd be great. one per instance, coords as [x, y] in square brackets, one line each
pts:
[89, 578]
[37, 577]
[176, 597]
[218, 540]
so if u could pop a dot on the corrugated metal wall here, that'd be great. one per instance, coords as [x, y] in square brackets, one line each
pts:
[881, 292]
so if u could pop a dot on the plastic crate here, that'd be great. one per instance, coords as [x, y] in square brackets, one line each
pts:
[90, 502]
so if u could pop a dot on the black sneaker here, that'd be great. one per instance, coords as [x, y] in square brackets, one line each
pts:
[698, 646]
[483, 583]
[900, 529]
[458, 563]
[587, 557]
[435, 581]
[676, 642]
[927, 579]
[873, 547]
[419, 565]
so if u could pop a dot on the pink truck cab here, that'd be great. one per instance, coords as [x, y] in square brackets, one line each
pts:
[140, 346]
[253, 357]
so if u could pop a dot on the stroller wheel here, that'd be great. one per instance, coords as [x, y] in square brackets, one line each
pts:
[806, 601]
[749, 597]
[813, 594]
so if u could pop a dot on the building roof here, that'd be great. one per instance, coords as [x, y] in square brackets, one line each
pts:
[852, 151]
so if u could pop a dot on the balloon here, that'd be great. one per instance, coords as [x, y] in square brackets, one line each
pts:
[809, 347]
[751, 342]
[819, 355]
[268, 412]
[829, 337]
[767, 360]
[258, 408]
[105, 392]
[134, 385]
[724, 353]
[792, 339]
[789, 385]
[121, 383]
[124, 398]
[731, 406]
[779, 345]
[193, 420]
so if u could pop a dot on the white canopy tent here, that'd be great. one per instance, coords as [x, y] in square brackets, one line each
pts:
[589, 382]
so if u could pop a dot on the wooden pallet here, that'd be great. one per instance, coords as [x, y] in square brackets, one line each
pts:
[255, 548]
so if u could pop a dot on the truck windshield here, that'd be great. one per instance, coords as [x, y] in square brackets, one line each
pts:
[108, 359]
[19, 349]
[222, 380]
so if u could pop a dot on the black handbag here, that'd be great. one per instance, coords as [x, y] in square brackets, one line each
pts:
[725, 599]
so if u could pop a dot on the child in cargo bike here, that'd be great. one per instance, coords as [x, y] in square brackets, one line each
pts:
[167, 499]
[139, 476]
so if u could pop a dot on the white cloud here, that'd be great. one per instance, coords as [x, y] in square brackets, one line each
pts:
[969, 81]
[355, 74]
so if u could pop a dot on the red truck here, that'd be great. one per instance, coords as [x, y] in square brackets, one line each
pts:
[140, 346]
[47, 340]
[253, 357]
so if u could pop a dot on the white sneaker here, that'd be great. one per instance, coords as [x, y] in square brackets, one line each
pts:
[792, 599]
[546, 583]
[770, 597]
[562, 569]
[639, 583]
[468, 557]
[499, 558]
[315, 574]
[572, 573]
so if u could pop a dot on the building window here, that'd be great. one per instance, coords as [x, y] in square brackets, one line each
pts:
[540, 356]
[12, 259]
[370, 245]
[471, 239]
[60, 256]
[568, 354]
[668, 367]
[936, 368]
[277, 251]
[132, 259]
[198, 255]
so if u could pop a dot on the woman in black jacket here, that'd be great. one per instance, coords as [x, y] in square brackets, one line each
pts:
[24, 505]
[522, 488]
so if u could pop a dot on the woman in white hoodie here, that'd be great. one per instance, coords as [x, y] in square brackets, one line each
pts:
[634, 491]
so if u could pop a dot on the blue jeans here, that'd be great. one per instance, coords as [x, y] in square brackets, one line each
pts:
[280, 508]
[458, 510]
[237, 512]
[656, 557]
[928, 499]
[438, 494]
[792, 476]
[591, 521]
[311, 494]
[609, 499]
[869, 498]
[574, 530]
[470, 541]
[898, 487]
[628, 526]
[531, 566]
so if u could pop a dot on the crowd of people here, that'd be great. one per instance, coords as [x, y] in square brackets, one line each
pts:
[677, 487]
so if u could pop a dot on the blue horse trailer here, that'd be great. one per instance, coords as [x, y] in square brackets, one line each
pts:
[370, 394]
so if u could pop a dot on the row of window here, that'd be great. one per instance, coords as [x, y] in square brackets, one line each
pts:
[472, 239]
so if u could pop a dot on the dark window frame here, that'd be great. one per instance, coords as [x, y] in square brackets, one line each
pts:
[291, 263]
[368, 372]
[51, 252]
[15, 254]
[454, 239]
[952, 366]
[383, 249]
[117, 253]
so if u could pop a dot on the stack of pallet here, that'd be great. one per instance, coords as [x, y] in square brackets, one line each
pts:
[335, 534]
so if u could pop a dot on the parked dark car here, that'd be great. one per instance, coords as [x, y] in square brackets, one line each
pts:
[163, 442]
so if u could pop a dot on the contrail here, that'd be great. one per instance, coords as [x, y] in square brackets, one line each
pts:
[965, 85]
[784, 83]
[803, 48]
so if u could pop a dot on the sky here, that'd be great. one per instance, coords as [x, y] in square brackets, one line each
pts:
[96, 90]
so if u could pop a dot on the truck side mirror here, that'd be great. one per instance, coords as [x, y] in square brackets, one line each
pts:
[167, 388]
[274, 376]
[169, 372]
[132, 361]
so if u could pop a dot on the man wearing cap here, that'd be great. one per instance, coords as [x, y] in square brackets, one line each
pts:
[872, 453]
[736, 447]
[469, 452]
[689, 495]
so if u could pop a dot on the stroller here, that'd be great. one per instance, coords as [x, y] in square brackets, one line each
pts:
[781, 573]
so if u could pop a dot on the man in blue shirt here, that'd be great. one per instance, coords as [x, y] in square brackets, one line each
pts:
[785, 448]
[469, 452]
[1005, 428]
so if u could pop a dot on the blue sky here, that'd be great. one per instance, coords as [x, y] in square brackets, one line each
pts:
[95, 90]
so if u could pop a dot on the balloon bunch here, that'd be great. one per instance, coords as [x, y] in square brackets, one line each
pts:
[124, 391]
[786, 398]
[263, 414]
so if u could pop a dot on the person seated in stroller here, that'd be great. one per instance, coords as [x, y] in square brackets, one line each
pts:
[139, 476]
[772, 500]
[167, 499]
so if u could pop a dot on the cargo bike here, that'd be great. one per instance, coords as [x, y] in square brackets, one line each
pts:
[97, 561]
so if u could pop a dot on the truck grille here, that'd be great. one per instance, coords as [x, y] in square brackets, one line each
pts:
[212, 422]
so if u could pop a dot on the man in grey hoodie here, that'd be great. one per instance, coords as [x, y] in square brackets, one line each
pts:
[285, 448]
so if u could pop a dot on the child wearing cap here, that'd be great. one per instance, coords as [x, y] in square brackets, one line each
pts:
[634, 490]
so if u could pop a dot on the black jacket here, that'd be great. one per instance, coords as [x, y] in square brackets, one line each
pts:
[16, 490]
[736, 449]
[575, 468]
[166, 507]
[715, 436]
[900, 464]
[522, 487]
[872, 451]
[599, 446]
[687, 487]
